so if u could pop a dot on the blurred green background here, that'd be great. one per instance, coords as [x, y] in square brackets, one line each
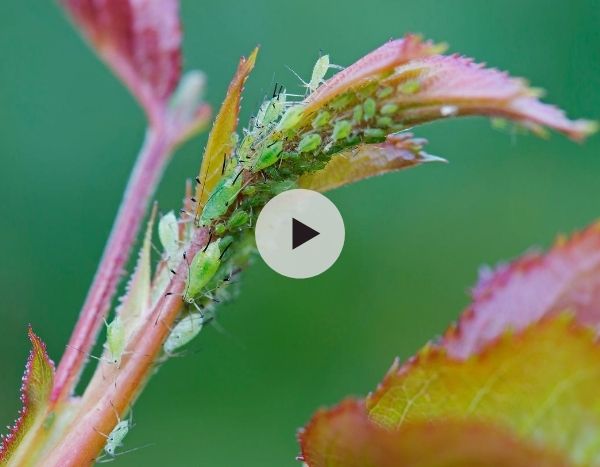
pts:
[68, 136]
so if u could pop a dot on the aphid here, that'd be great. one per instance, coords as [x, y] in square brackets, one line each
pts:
[115, 341]
[357, 114]
[321, 119]
[268, 156]
[115, 439]
[385, 92]
[222, 196]
[369, 108]
[409, 87]
[341, 130]
[238, 219]
[374, 134]
[389, 109]
[384, 122]
[168, 233]
[184, 332]
[291, 118]
[202, 269]
[220, 229]
[309, 143]
[318, 73]
[341, 102]
[270, 110]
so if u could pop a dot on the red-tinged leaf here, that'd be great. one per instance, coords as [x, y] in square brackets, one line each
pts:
[541, 384]
[346, 437]
[398, 152]
[443, 86]
[139, 39]
[566, 278]
[221, 140]
[35, 391]
[372, 66]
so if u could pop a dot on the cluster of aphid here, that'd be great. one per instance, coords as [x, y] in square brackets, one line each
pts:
[285, 140]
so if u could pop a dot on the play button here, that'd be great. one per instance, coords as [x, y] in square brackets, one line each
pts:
[300, 233]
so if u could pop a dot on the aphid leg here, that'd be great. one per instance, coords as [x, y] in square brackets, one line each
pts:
[104, 461]
[100, 359]
[207, 242]
[224, 250]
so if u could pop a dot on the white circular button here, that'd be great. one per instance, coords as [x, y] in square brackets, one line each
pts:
[300, 233]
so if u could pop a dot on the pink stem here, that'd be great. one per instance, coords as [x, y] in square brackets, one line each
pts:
[118, 388]
[140, 188]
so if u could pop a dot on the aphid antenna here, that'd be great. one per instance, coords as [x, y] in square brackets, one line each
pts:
[304, 83]
[185, 212]
[101, 459]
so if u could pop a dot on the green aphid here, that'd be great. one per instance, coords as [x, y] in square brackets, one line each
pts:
[221, 198]
[389, 109]
[341, 102]
[184, 332]
[341, 130]
[318, 73]
[238, 219]
[374, 134]
[249, 190]
[357, 114]
[220, 229]
[385, 92]
[291, 118]
[270, 111]
[245, 148]
[115, 341]
[115, 439]
[168, 233]
[321, 119]
[384, 122]
[309, 143]
[268, 156]
[369, 108]
[202, 269]
[409, 87]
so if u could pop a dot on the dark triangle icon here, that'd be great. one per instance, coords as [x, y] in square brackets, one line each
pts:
[301, 233]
